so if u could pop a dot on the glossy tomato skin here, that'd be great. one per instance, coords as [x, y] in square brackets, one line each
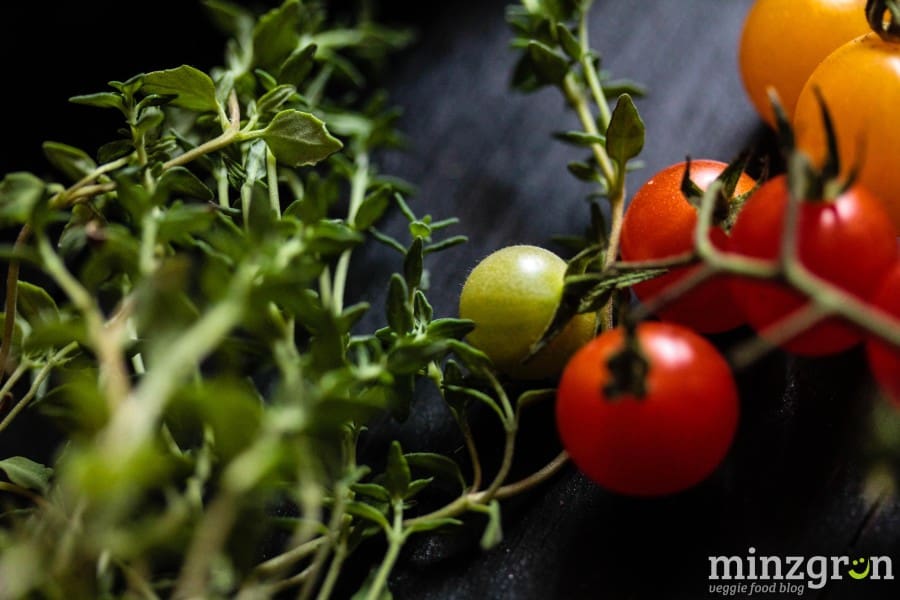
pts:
[667, 441]
[783, 41]
[883, 357]
[860, 83]
[849, 242]
[511, 295]
[660, 223]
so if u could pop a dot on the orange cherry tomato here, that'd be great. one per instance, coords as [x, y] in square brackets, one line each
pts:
[860, 83]
[783, 41]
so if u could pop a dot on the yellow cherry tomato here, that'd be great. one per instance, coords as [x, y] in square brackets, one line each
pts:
[784, 40]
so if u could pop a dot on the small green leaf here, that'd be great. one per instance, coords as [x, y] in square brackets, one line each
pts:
[20, 193]
[615, 88]
[154, 100]
[49, 335]
[584, 172]
[73, 162]
[180, 180]
[580, 138]
[276, 34]
[193, 89]
[396, 472]
[372, 490]
[450, 328]
[298, 65]
[183, 220]
[422, 309]
[569, 42]
[332, 237]
[26, 473]
[368, 512]
[372, 208]
[433, 524]
[550, 66]
[149, 120]
[399, 312]
[274, 98]
[35, 304]
[446, 244]
[437, 465]
[413, 264]
[229, 17]
[266, 79]
[352, 315]
[299, 138]
[416, 486]
[116, 149]
[100, 100]
[409, 358]
[625, 135]
[388, 241]
[472, 357]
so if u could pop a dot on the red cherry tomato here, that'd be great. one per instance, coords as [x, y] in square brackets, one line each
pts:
[664, 442]
[884, 358]
[660, 223]
[849, 242]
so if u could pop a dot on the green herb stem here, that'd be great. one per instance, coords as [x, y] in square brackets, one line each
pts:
[358, 186]
[587, 66]
[615, 181]
[341, 551]
[21, 369]
[576, 99]
[41, 376]
[272, 180]
[395, 538]
[137, 417]
[209, 537]
[64, 197]
[330, 541]
[106, 342]
[531, 481]
[231, 134]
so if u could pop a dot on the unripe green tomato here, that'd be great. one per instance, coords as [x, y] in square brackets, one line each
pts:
[511, 296]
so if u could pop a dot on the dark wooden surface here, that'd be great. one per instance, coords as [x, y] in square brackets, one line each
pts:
[793, 481]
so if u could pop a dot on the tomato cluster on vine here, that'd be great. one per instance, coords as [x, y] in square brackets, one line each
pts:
[651, 407]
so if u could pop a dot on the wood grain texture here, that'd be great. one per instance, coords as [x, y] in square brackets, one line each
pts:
[793, 482]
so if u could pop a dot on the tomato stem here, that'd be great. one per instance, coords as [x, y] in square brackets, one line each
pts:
[777, 334]
[884, 18]
[792, 272]
[629, 367]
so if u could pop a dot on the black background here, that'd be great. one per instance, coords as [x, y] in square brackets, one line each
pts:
[793, 482]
